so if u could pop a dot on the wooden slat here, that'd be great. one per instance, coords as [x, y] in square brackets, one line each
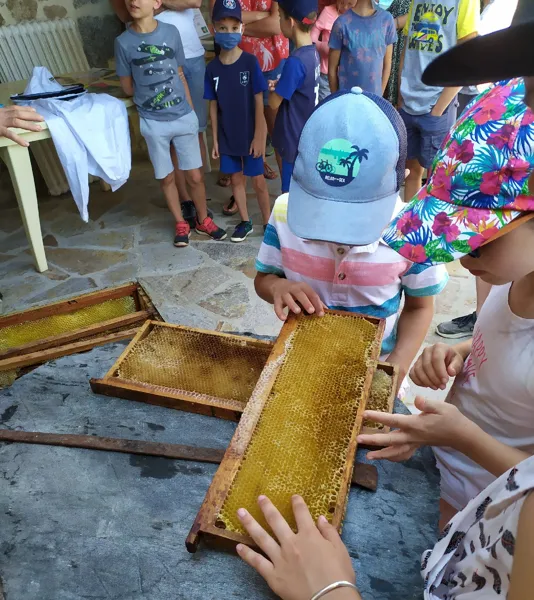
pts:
[77, 334]
[141, 333]
[224, 478]
[69, 305]
[50, 354]
[215, 407]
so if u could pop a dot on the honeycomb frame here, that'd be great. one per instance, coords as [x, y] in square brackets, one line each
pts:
[208, 524]
[35, 335]
[180, 398]
[393, 372]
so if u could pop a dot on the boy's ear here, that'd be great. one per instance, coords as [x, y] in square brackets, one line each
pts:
[158, 4]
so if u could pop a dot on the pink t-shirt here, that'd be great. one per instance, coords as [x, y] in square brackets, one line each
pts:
[324, 25]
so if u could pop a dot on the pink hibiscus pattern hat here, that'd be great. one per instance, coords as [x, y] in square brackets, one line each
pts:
[478, 183]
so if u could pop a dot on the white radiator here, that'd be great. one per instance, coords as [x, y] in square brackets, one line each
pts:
[56, 45]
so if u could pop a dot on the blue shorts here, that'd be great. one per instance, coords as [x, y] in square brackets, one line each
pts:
[274, 74]
[194, 71]
[426, 133]
[287, 171]
[250, 166]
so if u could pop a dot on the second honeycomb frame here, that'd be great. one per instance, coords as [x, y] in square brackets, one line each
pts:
[113, 385]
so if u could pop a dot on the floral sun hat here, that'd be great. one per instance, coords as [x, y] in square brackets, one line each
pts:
[477, 188]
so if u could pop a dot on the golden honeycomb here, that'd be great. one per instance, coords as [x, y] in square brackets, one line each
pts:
[379, 395]
[195, 361]
[300, 443]
[31, 331]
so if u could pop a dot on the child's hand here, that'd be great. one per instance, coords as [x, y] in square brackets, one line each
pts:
[257, 148]
[296, 565]
[215, 150]
[438, 424]
[272, 83]
[436, 365]
[291, 294]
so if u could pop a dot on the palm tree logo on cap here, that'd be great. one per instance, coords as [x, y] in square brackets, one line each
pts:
[339, 162]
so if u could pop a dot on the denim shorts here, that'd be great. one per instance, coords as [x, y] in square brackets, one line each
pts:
[274, 74]
[251, 167]
[182, 133]
[194, 71]
[426, 133]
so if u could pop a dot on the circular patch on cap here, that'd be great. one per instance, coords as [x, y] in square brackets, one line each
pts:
[339, 162]
[230, 4]
[356, 90]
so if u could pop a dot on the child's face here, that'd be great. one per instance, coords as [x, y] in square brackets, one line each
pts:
[139, 9]
[228, 25]
[286, 25]
[508, 258]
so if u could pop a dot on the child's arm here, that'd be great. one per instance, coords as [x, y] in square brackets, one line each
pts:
[257, 148]
[290, 80]
[441, 424]
[127, 84]
[386, 70]
[287, 294]
[412, 328]
[334, 57]
[181, 75]
[124, 69]
[210, 93]
[335, 44]
[214, 128]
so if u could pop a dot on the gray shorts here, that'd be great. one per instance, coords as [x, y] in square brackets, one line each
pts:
[195, 71]
[182, 133]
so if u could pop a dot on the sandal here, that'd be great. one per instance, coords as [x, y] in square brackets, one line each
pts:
[231, 208]
[268, 173]
[224, 181]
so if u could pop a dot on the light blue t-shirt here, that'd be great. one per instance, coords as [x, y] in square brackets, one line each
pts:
[363, 42]
[152, 60]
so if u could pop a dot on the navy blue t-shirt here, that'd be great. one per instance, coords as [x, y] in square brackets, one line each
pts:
[234, 87]
[299, 87]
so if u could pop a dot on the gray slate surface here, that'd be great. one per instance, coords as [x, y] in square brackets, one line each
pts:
[79, 524]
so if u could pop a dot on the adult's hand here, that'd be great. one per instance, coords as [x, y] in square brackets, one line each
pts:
[301, 564]
[22, 117]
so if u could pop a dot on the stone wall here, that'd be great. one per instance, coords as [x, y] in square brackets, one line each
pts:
[97, 23]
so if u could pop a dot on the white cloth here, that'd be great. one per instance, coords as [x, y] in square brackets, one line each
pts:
[184, 21]
[473, 559]
[91, 136]
[495, 390]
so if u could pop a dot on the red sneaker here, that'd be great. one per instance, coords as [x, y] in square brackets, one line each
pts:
[208, 227]
[183, 231]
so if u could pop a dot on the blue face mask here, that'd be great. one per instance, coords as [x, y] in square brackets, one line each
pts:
[227, 41]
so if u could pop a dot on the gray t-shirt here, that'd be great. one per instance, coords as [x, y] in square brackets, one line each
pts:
[433, 28]
[152, 59]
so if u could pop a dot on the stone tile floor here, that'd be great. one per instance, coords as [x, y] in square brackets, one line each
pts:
[129, 236]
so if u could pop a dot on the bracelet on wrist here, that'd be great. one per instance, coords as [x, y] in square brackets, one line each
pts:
[333, 586]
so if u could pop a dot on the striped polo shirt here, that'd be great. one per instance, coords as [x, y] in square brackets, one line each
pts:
[364, 279]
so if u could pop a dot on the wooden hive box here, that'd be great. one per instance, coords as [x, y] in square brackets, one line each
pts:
[298, 431]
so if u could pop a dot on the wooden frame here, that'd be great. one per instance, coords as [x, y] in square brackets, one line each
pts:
[112, 385]
[393, 372]
[205, 522]
[81, 339]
